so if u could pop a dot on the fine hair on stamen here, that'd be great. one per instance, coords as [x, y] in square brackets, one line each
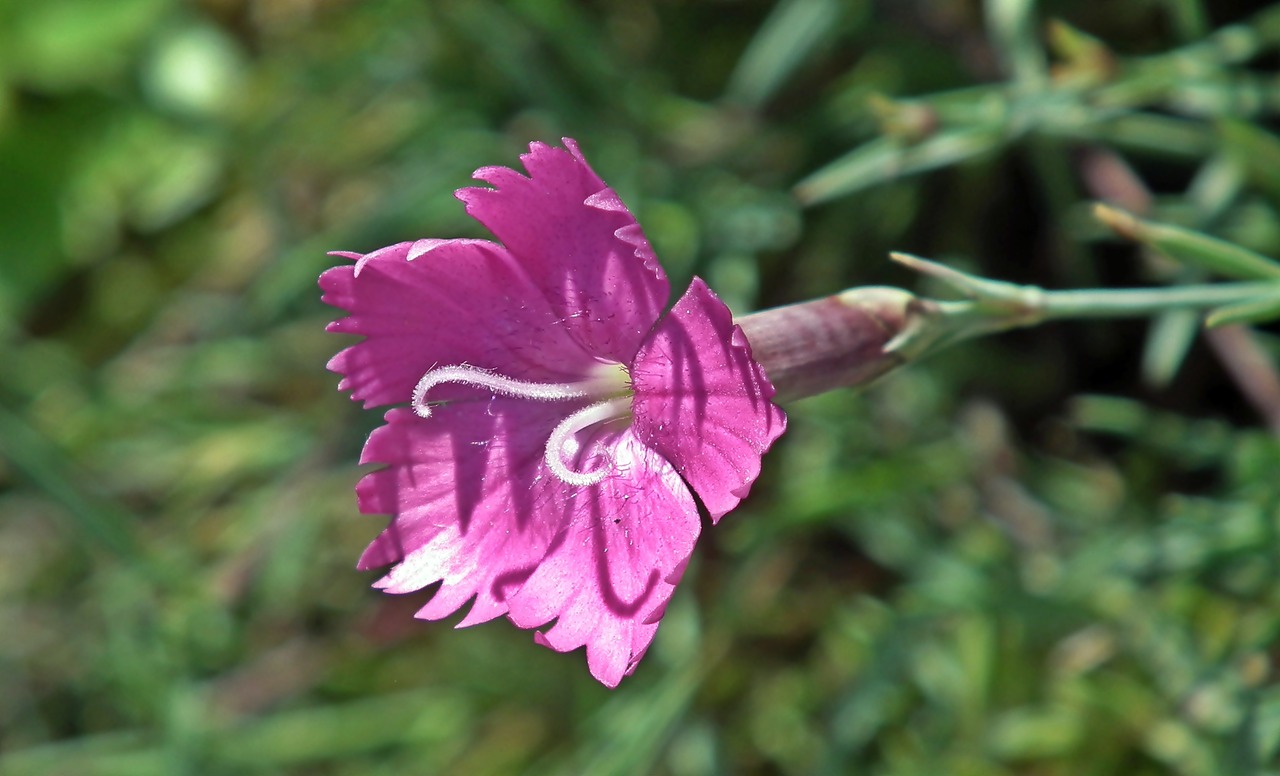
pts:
[465, 374]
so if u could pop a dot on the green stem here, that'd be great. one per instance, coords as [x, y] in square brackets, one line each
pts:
[856, 336]
[1122, 302]
[995, 306]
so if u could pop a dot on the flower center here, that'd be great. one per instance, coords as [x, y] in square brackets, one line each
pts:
[611, 385]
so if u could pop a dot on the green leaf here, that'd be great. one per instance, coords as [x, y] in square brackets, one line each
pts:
[1190, 247]
[1256, 151]
[1168, 343]
[1012, 25]
[793, 33]
[1253, 311]
[1166, 136]
[886, 159]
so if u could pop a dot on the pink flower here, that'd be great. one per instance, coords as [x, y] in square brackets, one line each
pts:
[557, 420]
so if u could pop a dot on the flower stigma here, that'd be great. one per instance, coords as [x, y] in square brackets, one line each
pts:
[584, 418]
[611, 386]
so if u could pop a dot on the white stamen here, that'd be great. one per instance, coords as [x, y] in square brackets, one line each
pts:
[587, 416]
[479, 378]
[618, 404]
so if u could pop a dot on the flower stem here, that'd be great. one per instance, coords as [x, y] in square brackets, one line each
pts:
[1122, 302]
[993, 305]
[854, 337]
[1022, 306]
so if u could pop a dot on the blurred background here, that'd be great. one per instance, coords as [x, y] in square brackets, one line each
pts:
[1056, 551]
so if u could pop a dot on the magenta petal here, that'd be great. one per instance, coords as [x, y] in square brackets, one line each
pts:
[472, 508]
[703, 402]
[442, 302]
[611, 573]
[579, 242]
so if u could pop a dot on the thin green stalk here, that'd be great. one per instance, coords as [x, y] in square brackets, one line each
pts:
[1018, 305]
[991, 305]
[1130, 302]
[1002, 306]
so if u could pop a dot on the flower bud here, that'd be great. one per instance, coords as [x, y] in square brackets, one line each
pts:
[844, 340]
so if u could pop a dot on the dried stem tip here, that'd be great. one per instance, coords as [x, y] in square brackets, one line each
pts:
[844, 340]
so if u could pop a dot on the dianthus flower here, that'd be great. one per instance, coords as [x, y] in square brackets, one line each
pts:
[557, 422]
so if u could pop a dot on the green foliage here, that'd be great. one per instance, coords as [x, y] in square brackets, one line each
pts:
[1017, 558]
